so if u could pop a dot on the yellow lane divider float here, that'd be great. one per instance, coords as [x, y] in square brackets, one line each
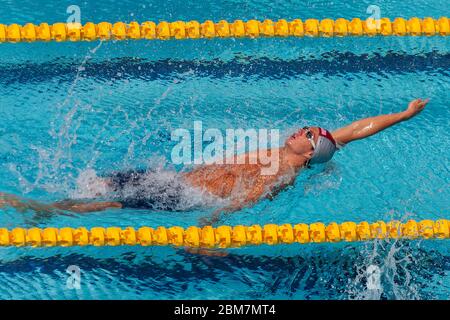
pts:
[223, 29]
[226, 236]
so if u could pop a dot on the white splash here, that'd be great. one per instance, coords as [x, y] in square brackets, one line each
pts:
[158, 185]
[89, 186]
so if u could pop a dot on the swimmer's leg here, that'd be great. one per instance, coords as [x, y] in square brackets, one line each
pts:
[70, 205]
[21, 204]
[85, 207]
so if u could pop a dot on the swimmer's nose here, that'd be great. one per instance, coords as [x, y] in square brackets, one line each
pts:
[298, 133]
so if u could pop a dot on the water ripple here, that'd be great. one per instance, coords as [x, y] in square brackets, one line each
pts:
[329, 64]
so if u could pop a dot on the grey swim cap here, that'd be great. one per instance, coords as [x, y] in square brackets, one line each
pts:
[325, 147]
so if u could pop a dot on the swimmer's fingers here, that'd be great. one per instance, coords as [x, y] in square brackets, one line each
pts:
[415, 107]
[424, 102]
[205, 221]
[420, 104]
[209, 221]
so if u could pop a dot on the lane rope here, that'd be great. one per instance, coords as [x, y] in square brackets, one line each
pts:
[226, 236]
[223, 29]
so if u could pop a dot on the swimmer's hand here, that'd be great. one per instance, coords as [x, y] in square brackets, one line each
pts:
[415, 107]
[209, 221]
[215, 217]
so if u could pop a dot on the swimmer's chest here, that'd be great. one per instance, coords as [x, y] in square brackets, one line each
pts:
[223, 180]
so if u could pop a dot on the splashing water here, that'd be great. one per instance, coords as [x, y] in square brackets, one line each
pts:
[165, 190]
[72, 117]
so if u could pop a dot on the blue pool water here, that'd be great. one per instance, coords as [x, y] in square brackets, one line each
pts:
[69, 107]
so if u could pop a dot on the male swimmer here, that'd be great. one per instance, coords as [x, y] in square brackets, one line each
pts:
[239, 184]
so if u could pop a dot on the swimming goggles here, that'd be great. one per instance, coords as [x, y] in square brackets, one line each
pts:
[310, 136]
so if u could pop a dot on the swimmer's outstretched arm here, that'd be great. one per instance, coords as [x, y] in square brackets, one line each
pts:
[366, 127]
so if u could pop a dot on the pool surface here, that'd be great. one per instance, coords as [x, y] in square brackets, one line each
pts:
[70, 107]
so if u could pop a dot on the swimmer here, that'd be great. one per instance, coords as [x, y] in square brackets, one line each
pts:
[240, 184]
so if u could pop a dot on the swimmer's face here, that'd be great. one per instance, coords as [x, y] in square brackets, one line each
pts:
[299, 143]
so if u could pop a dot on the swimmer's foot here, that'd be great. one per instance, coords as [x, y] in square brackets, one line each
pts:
[21, 205]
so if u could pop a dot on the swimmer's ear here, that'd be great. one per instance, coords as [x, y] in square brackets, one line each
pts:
[308, 155]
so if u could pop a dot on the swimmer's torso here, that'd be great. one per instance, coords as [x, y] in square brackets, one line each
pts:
[240, 182]
[236, 184]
